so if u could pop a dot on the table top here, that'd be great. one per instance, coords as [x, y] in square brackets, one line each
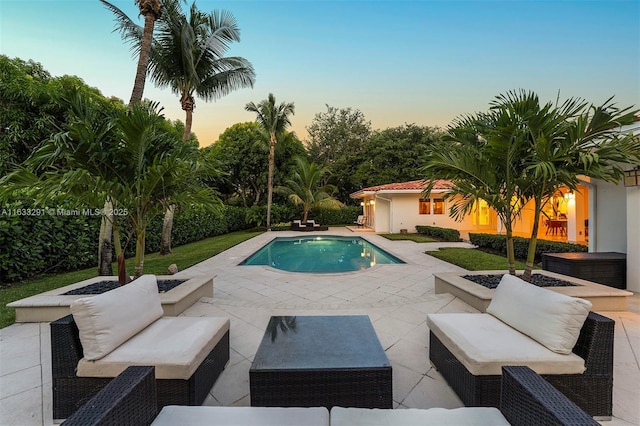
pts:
[603, 255]
[319, 342]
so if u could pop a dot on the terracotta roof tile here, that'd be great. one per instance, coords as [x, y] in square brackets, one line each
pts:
[417, 185]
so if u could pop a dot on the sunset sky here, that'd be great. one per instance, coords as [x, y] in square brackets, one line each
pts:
[422, 62]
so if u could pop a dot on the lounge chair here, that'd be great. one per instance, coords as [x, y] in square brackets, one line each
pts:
[360, 221]
[297, 225]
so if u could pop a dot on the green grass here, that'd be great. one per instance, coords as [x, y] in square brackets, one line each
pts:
[183, 256]
[473, 259]
[418, 238]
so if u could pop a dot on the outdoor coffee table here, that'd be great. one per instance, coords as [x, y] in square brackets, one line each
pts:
[314, 361]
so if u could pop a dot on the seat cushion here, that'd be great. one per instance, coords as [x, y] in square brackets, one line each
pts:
[176, 346]
[550, 318]
[411, 417]
[242, 416]
[107, 320]
[483, 344]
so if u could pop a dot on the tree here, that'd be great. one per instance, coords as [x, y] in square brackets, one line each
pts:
[141, 38]
[274, 120]
[188, 56]
[481, 158]
[337, 141]
[563, 141]
[395, 155]
[523, 151]
[122, 156]
[305, 188]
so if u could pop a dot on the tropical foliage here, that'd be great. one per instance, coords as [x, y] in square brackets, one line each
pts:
[523, 151]
[305, 188]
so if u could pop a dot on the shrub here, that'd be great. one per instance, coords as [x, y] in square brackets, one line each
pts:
[343, 216]
[444, 234]
[498, 243]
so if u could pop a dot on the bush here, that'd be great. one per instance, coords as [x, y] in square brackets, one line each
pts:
[33, 244]
[343, 216]
[444, 234]
[498, 243]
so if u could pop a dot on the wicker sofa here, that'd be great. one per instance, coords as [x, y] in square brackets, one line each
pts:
[553, 334]
[130, 400]
[109, 332]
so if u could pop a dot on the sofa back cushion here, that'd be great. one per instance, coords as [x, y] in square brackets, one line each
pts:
[552, 319]
[107, 320]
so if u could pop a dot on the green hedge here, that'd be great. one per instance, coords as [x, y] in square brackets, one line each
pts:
[31, 244]
[343, 216]
[521, 245]
[444, 234]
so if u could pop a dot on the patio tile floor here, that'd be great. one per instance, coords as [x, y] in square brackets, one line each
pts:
[396, 298]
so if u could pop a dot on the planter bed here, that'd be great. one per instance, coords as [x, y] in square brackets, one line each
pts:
[602, 297]
[54, 304]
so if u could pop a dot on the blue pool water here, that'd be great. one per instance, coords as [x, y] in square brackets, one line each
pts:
[326, 254]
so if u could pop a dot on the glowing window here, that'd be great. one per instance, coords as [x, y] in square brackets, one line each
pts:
[438, 206]
[424, 206]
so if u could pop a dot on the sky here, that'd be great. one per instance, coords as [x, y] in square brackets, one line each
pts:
[421, 61]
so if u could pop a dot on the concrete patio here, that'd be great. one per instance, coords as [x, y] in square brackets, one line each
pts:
[395, 297]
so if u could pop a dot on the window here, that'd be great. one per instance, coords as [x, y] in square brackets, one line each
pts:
[424, 206]
[438, 206]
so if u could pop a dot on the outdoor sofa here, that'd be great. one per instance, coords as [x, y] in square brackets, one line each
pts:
[526, 399]
[109, 332]
[553, 334]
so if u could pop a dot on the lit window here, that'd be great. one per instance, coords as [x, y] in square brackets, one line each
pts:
[438, 206]
[424, 206]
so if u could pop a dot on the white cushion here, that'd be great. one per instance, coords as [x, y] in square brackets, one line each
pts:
[176, 346]
[107, 320]
[483, 344]
[173, 415]
[411, 417]
[551, 318]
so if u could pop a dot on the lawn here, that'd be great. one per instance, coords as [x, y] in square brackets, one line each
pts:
[183, 256]
[473, 259]
[418, 238]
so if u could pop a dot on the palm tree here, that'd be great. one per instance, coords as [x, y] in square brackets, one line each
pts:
[305, 189]
[151, 10]
[564, 141]
[123, 156]
[274, 120]
[188, 56]
[481, 159]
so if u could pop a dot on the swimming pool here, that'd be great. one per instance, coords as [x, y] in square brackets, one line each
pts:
[325, 254]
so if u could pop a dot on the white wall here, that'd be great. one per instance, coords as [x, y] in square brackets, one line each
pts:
[633, 239]
[405, 215]
[610, 218]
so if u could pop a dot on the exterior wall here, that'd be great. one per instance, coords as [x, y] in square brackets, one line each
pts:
[633, 239]
[404, 214]
[610, 217]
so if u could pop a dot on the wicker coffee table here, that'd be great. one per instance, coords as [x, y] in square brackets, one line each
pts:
[314, 361]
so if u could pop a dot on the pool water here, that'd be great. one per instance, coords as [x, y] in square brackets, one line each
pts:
[326, 254]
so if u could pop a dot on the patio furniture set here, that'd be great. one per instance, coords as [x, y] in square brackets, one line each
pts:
[117, 361]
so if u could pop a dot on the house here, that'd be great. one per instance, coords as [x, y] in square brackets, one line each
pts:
[393, 207]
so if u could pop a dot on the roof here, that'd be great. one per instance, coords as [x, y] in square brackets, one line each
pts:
[414, 186]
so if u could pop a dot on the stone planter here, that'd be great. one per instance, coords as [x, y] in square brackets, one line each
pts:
[602, 297]
[51, 305]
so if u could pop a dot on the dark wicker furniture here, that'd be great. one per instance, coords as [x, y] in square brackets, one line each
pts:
[592, 391]
[314, 361]
[608, 268]
[130, 399]
[70, 391]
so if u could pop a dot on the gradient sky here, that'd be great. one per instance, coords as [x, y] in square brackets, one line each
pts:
[423, 62]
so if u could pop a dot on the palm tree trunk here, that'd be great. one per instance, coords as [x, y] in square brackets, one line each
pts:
[167, 225]
[511, 258]
[143, 59]
[533, 241]
[105, 248]
[187, 125]
[272, 160]
[140, 240]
